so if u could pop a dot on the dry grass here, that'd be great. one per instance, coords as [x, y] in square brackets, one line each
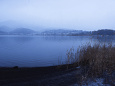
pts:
[97, 58]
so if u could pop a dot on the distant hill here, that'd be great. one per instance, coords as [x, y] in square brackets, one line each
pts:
[22, 31]
[5, 29]
[3, 33]
[78, 32]
[59, 32]
[104, 32]
[63, 32]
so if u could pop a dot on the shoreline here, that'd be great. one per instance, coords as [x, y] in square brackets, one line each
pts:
[94, 64]
[53, 75]
[10, 75]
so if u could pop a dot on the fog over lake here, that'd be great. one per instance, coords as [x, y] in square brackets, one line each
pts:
[37, 51]
[69, 21]
[68, 14]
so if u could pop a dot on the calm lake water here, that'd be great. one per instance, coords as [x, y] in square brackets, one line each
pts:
[37, 51]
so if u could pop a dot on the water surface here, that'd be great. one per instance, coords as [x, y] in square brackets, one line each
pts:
[37, 51]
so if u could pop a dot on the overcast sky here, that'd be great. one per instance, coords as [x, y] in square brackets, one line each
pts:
[70, 14]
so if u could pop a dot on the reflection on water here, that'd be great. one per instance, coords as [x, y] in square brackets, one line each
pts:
[34, 51]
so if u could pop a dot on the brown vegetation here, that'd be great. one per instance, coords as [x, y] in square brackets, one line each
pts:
[96, 59]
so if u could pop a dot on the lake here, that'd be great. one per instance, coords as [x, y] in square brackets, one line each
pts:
[38, 51]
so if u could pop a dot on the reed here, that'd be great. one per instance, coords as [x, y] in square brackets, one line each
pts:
[96, 59]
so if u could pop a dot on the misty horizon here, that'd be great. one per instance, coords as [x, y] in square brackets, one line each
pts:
[41, 15]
